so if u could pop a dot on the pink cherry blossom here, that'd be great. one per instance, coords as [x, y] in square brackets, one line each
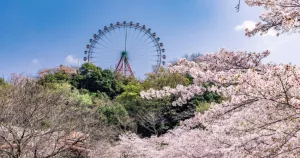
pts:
[282, 16]
[259, 117]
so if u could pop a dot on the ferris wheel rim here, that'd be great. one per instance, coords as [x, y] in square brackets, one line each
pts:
[142, 28]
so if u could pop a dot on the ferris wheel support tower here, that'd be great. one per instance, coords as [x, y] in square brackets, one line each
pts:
[123, 65]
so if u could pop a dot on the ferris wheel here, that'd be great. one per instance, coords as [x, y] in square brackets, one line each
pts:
[129, 48]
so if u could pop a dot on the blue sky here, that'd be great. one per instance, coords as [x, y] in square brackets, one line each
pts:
[37, 34]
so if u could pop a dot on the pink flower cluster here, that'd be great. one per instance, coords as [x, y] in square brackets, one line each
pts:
[259, 118]
[218, 68]
[282, 16]
[183, 93]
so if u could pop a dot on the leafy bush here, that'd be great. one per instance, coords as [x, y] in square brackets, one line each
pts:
[131, 92]
[164, 78]
[2, 81]
[202, 107]
[92, 78]
[58, 77]
[115, 114]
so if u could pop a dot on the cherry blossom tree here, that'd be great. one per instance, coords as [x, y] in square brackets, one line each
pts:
[258, 118]
[37, 122]
[218, 68]
[282, 16]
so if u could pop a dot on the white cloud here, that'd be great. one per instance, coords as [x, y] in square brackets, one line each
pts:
[250, 25]
[70, 59]
[271, 33]
[35, 61]
[246, 25]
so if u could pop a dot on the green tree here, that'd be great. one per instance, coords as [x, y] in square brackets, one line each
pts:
[164, 78]
[92, 78]
[115, 114]
[58, 77]
[2, 81]
[89, 77]
[157, 116]
[110, 84]
[131, 91]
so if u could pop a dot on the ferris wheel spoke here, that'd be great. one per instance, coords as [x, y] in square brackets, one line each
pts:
[153, 57]
[138, 34]
[117, 35]
[152, 41]
[131, 51]
[108, 39]
[140, 39]
[103, 40]
[106, 59]
[143, 55]
[134, 43]
[147, 39]
[108, 48]
[111, 36]
[125, 39]
[120, 39]
[133, 38]
[138, 43]
[106, 35]
[134, 47]
[139, 50]
[147, 46]
[102, 46]
[136, 37]
[128, 37]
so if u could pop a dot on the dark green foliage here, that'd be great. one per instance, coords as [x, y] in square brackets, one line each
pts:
[110, 85]
[206, 97]
[174, 114]
[2, 81]
[92, 78]
[114, 114]
[164, 78]
[163, 116]
[131, 92]
[190, 78]
[58, 77]
[89, 77]
[147, 114]
[168, 116]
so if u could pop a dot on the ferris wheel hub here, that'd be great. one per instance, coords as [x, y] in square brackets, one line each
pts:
[124, 54]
